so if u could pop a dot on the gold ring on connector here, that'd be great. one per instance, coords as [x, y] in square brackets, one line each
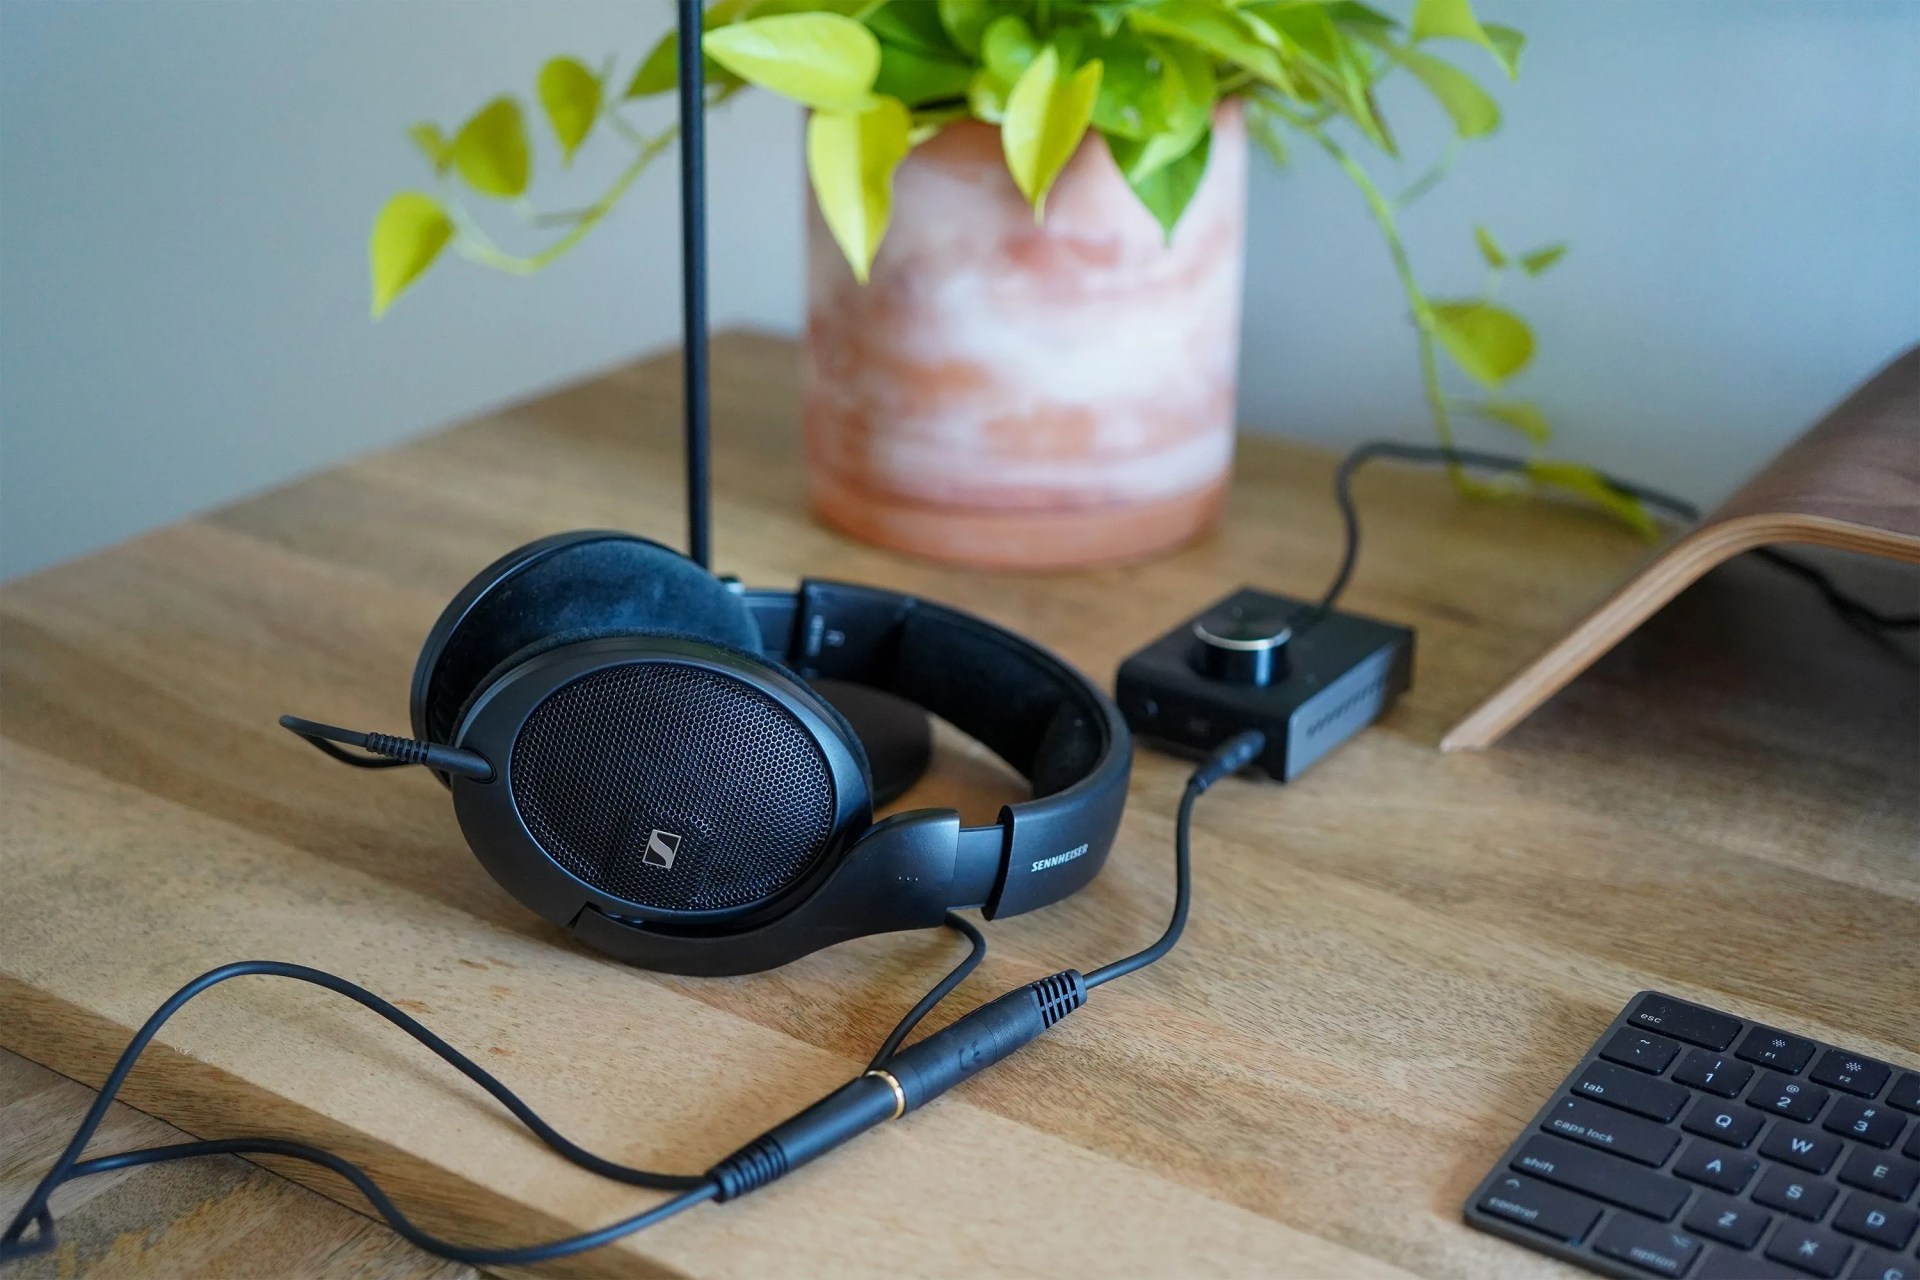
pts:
[899, 1094]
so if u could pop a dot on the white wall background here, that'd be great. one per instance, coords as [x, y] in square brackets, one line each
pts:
[185, 190]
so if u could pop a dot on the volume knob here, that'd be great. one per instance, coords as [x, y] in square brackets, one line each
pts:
[1248, 649]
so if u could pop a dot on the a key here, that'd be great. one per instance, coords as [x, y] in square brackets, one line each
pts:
[1851, 1072]
[1687, 1021]
[1810, 1249]
[1660, 1250]
[1794, 1193]
[1866, 1122]
[1802, 1146]
[1716, 1166]
[1727, 1219]
[1723, 1121]
[1715, 1073]
[1881, 1173]
[1783, 1095]
[1776, 1049]
[1557, 1213]
[1878, 1221]
[1612, 1130]
[1598, 1174]
[1632, 1091]
[1640, 1049]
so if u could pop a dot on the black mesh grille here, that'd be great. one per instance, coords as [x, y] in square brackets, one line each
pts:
[673, 787]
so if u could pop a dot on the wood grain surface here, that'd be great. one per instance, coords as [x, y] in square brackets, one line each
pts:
[1851, 483]
[1390, 963]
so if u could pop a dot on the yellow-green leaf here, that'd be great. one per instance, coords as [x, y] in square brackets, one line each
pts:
[1008, 47]
[433, 144]
[1588, 483]
[1219, 29]
[987, 96]
[917, 78]
[570, 94]
[1047, 115]
[659, 71]
[1489, 343]
[1489, 248]
[1454, 20]
[1507, 44]
[408, 234]
[490, 151]
[851, 156]
[1522, 416]
[1475, 113]
[820, 60]
[1540, 259]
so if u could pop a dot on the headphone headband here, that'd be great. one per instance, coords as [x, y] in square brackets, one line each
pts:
[1035, 711]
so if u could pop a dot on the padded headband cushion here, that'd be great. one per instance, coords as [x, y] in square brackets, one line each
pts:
[611, 584]
[546, 643]
[1031, 709]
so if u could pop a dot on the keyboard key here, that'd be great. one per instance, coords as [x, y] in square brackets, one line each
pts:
[1656, 1249]
[1906, 1092]
[1786, 1096]
[1599, 1174]
[1726, 1264]
[1557, 1213]
[1875, 1265]
[1611, 1130]
[1776, 1049]
[1867, 1122]
[1802, 1146]
[1713, 1072]
[1632, 1091]
[1714, 1165]
[1913, 1144]
[1640, 1049]
[1880, 1173]
[1852, 1072]
[1795, 1193]
[1809, 1248]
[1732, 1221]
[1723, 1121]
[1879, 1221]
[1687, 1021]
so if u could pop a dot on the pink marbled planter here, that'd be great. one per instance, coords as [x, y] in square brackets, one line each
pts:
[1007, 395]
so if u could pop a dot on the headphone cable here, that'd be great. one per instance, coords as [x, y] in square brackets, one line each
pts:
[898, 1080]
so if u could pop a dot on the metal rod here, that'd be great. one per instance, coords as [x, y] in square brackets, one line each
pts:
[693, 278]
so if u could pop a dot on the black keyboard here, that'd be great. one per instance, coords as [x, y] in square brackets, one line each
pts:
[1694, 1144]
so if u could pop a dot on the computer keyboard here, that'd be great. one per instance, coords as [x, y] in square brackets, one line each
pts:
[1691, 1143]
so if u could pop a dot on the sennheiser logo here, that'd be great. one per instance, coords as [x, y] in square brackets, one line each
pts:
[1058, 858]
[661, 847]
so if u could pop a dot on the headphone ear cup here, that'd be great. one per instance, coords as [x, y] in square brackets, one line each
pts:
[593, 580]
[547, 644]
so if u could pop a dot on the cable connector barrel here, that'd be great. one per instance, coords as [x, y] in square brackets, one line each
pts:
[387, 750]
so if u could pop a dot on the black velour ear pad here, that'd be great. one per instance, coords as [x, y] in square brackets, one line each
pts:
[605, 583]
[547, 643]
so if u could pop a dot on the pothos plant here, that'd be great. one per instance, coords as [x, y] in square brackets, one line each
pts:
[880, 77]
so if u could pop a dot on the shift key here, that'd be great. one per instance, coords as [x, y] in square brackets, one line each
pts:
[1598, 1174]
[1632, 1091]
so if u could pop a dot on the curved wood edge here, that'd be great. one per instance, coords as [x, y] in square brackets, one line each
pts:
[1623, 612]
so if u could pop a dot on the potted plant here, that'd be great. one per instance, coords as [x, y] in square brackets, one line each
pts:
[1027, 242]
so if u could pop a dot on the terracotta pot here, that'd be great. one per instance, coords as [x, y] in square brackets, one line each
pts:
[1011, 395]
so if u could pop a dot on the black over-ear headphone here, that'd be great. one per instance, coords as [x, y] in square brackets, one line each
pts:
[649, 767]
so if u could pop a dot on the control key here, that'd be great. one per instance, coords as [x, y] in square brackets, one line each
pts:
[1558, 1213]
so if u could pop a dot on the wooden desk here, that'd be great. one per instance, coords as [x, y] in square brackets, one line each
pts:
[1390, 963]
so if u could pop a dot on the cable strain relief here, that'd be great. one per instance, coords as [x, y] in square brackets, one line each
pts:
[404, 749]
[1059, 994]
[749, 1169]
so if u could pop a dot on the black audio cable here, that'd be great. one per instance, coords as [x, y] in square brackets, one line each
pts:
[898, 1081]
[1854, 612]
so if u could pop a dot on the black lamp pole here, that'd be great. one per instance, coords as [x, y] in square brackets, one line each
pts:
[693, 276]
